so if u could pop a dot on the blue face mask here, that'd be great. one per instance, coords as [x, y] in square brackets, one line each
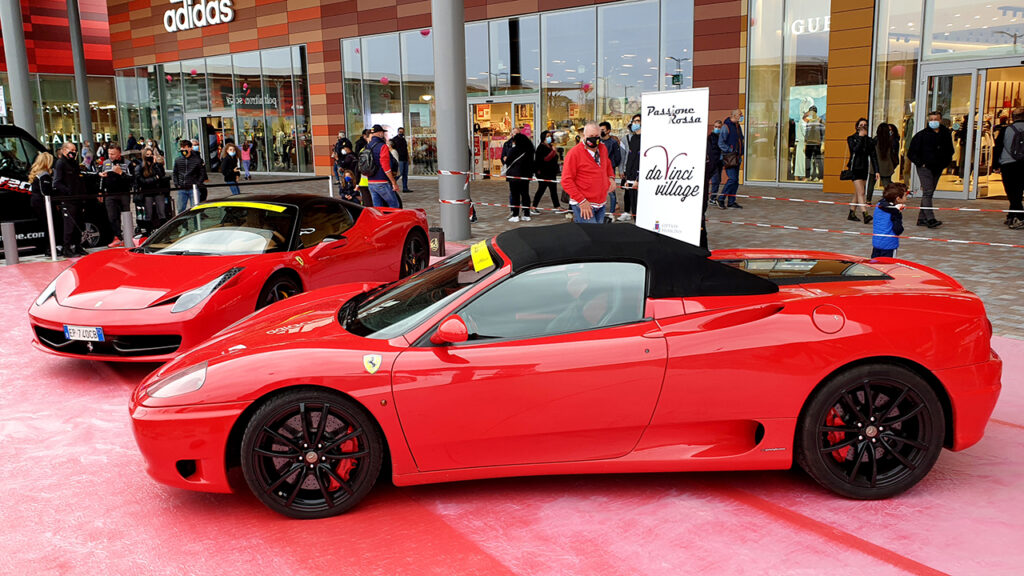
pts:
[549, 139]
[933, 124]
[718, 130]
[635, 126]
[231, 153]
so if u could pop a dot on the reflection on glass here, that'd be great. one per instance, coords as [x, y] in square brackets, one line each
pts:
[477, 68]
[973, 29]
[248, 102]
[382, 81]
[676, 44]
[515, 55]
[103, 104]
[218, 75]
[804, 85]
[951, 96]
[765, 57]
[352, 72]
[193, 73]
[59, 109]
[418, 92]
[897, 51]
[303, 135]
[567, 96]
[627, 60]
[128, 102]
[278, 103]
[169, 81]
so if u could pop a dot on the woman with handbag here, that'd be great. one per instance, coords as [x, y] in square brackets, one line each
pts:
[545, 164]
[862, 158]
[887, 149]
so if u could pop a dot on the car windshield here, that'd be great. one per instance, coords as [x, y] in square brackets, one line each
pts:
[397, 308]
[225, 228]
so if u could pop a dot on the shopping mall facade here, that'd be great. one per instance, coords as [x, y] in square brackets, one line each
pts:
[290, 74]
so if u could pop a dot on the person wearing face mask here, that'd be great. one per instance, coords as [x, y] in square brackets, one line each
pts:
[588, 176]
[67, 181]
[731, 142]
[545, 166]
[401, 147]
[863, 158]
[229, 167]
[713, 163]
[631, 171]
[116, 184]
[931, 151]
[149, 181]
[519, 169]
[189, 170]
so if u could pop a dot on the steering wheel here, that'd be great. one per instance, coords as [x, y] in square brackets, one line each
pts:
[278, 237]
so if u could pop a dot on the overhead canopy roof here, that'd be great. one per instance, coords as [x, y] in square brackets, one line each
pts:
[674, 268]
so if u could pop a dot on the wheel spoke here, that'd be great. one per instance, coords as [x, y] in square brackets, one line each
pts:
[298, 486]
[304, 422]
[893, 405]
[914, 443]
[848, 429]
[905, 416]
[868, 399]
[344, 438]
[347, 455]
[856, 464]
[874, 464]
[853, 407]
[323, 487]
[272, 454]
[344, 485]
[839, 446]
[290, 443]
[897, 455]
[283, 477]
[322, 423]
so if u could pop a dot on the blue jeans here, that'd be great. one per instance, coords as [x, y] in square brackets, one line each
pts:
[733, 184]
[403, 170]
[612, 202]
[245, 167]
[383, 194]
[184, 199]
[597, 218]
[715, 181]
[234, 188]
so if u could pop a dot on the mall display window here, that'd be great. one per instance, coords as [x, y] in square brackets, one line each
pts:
[897, 57]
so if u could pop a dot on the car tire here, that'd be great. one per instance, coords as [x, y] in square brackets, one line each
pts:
[415, 253]
[871, 432]
[276, 289]
[302, 469]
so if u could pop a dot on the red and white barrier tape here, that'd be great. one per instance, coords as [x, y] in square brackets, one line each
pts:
[761, 225]
[751, 196]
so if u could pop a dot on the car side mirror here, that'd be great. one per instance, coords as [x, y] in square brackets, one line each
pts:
[451, 331]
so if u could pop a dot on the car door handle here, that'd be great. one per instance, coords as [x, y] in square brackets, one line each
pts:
[739, 317]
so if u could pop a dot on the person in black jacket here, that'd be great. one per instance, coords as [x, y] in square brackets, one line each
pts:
[713, 164]
[545, 166]
[401, 147]
[862, 158]
[116, 183]
[189, 170]
[1011, 168]
[931, 150]
[67, 181]
[519, 163]
[149, 176]
[229, 167]
[631, 172]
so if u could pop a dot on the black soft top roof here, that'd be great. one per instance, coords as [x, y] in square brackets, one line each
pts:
[674, 268]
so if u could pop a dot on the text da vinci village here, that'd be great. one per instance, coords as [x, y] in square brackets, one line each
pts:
[678, 174]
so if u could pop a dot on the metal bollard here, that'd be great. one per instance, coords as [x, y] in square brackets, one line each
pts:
[195, 195]
[49, 228]
[10, 243]
[437, 247]
[127, 230]
[330, 186]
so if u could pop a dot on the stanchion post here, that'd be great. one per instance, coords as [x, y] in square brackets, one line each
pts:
[195, 195]
[127, 230]
[10, 237]
[330, 186]
[49, 228]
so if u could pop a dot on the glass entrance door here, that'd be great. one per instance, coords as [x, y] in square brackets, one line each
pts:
[492, 122]
[953, 96]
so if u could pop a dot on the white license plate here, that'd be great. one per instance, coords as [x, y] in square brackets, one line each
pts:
[83, 333]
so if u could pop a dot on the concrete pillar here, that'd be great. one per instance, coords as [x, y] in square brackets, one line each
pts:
[17, 65]
[452, 128]
[81, 77]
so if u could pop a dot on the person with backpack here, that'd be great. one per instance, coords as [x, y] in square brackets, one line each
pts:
[375, 163]
[1008, 158]
[931, 150]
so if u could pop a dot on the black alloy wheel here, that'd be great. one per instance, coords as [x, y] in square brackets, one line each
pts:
[311, 454]
[871, 432]
[415, 254]
[276, 289]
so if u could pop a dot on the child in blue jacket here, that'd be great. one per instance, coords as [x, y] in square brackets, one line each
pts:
[889, 221]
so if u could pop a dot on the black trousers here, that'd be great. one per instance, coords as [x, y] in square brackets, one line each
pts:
[1013, 183]
[115, 205]
[73, 220]
[552, 188]
[519, 195]
[629, 198]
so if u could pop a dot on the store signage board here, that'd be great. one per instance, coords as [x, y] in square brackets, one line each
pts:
[672, 149]
[197, 14]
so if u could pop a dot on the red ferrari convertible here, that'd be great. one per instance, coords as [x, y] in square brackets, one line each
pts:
[573, 349]
[215, 264]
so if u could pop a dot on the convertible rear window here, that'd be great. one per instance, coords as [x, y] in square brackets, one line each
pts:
[783, 271]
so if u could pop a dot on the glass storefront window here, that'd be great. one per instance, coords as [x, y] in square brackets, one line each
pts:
[59, 109]
[567, 96]
[103, 104]
[477, 65]
[382, 81]
[972, 29]
[418, 94]
[248, 102]
[193, 73]
[352, 72]
[515, 55]
[129, 102]
[804, 87]
[170, 94]
[6, 111]
[897, 53]
[764, 39]
[218, 75]
[303, 135]
[278, 102]
[627, 59]
[676, 44]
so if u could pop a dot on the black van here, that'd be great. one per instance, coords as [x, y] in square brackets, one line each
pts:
[18, 150]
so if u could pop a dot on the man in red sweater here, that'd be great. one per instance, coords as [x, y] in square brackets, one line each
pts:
[588, 176]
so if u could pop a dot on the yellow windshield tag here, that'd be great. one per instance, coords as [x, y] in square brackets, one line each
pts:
[239, 204]
[481, 256]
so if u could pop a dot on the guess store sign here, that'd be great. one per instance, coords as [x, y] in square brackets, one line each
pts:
[197, 14]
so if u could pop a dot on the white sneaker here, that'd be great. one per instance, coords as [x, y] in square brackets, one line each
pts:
[625, 217]
[525, 218]
[513, 218]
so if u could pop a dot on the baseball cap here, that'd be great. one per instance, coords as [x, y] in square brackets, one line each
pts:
[376, 128]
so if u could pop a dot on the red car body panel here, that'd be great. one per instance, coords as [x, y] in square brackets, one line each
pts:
[121, 291]
[703, 384]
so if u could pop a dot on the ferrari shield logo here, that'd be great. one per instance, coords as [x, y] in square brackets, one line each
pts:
[372, 362]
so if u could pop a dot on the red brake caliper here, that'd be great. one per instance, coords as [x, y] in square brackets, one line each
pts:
[834, 438]
[345, 467]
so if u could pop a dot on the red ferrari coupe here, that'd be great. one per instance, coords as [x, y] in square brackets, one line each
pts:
[215, 264]
[573, 349]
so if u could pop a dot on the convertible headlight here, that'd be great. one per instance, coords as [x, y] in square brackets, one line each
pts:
[48, 292]
[192, 298]
[180, 383]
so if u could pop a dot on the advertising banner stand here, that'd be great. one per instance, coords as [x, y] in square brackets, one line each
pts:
[670, 197]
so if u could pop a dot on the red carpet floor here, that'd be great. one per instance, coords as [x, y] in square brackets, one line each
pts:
[75, 500]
